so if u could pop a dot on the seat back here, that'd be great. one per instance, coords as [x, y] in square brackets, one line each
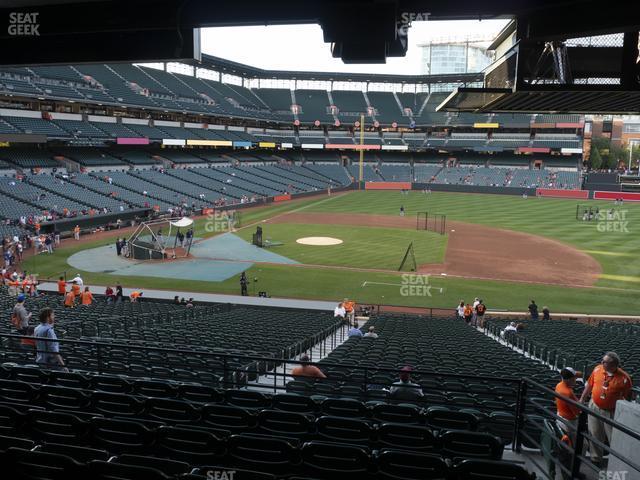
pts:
[329, 460]
[457, 443]
[483, 469]
[397, 465]
[406, 437]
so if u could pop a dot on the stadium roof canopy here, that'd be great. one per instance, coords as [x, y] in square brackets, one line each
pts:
[538, 64]
[247, 71]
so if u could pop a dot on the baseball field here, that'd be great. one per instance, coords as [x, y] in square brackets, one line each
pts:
[504, 249]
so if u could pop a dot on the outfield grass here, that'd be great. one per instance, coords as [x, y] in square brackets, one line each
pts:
[618, 253]
[362, 247]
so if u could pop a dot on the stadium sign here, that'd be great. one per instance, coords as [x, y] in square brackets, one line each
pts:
[24, 24]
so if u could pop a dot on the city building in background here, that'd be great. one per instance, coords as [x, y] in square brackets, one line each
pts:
[455, 55]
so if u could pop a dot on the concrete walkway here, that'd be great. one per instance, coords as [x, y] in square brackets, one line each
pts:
[213, 297]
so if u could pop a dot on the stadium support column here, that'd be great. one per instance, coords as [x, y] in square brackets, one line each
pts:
[361, 151]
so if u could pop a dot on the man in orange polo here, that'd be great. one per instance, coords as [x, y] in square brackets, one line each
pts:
[350, 308]
[69, 299]
[86, 297]
[607, 384]
[568, 412]
[62, 287]
[76, 289]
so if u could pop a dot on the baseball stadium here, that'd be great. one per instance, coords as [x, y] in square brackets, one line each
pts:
[218, 270]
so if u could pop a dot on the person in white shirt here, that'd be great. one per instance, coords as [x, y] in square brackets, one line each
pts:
[78, 279]
[460, 310]
[475, 316]
[339, 311]
[371, 333]
[509, 328]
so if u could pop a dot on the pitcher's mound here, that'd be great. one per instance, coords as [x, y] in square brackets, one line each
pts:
[322, 241]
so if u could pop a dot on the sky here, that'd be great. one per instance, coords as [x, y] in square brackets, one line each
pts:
[301, 47]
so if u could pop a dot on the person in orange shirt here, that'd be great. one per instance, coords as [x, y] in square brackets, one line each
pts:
[62, 287]
[86, 298]
[305, 370]
[607, 384]
[135, 296]
[69, 299]
[350, 308]
[75, 288]
[568, 412]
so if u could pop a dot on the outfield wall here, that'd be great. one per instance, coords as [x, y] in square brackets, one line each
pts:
[436, 187]
[557, 193]
[628, 196]
[68, 224]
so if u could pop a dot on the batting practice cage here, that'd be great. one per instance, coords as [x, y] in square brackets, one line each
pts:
[161, 239]
[586, 212]
[434, 222]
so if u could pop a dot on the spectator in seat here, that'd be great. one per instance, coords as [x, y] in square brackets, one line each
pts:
[569, 413]
[460, 310]
[468, 313]
[29, 343]
[76, 288]
[48, 352]
[135, 296]
[78, 280]
[480, 311]
[607, 384]
[405, 389]
[350, 308]
[355, 331]
[70, 299]
[371, 333]
[119, 294]
[20, 317]
[339, 311]
[62, 287]
[305, 370]
[86, 298]
[109, 295]
[546, 315]
[509, 328]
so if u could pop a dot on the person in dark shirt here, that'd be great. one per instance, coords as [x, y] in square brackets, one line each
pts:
[243, 285]
[405, 389]
[533, 310]
[119, 294]
[546, 315]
